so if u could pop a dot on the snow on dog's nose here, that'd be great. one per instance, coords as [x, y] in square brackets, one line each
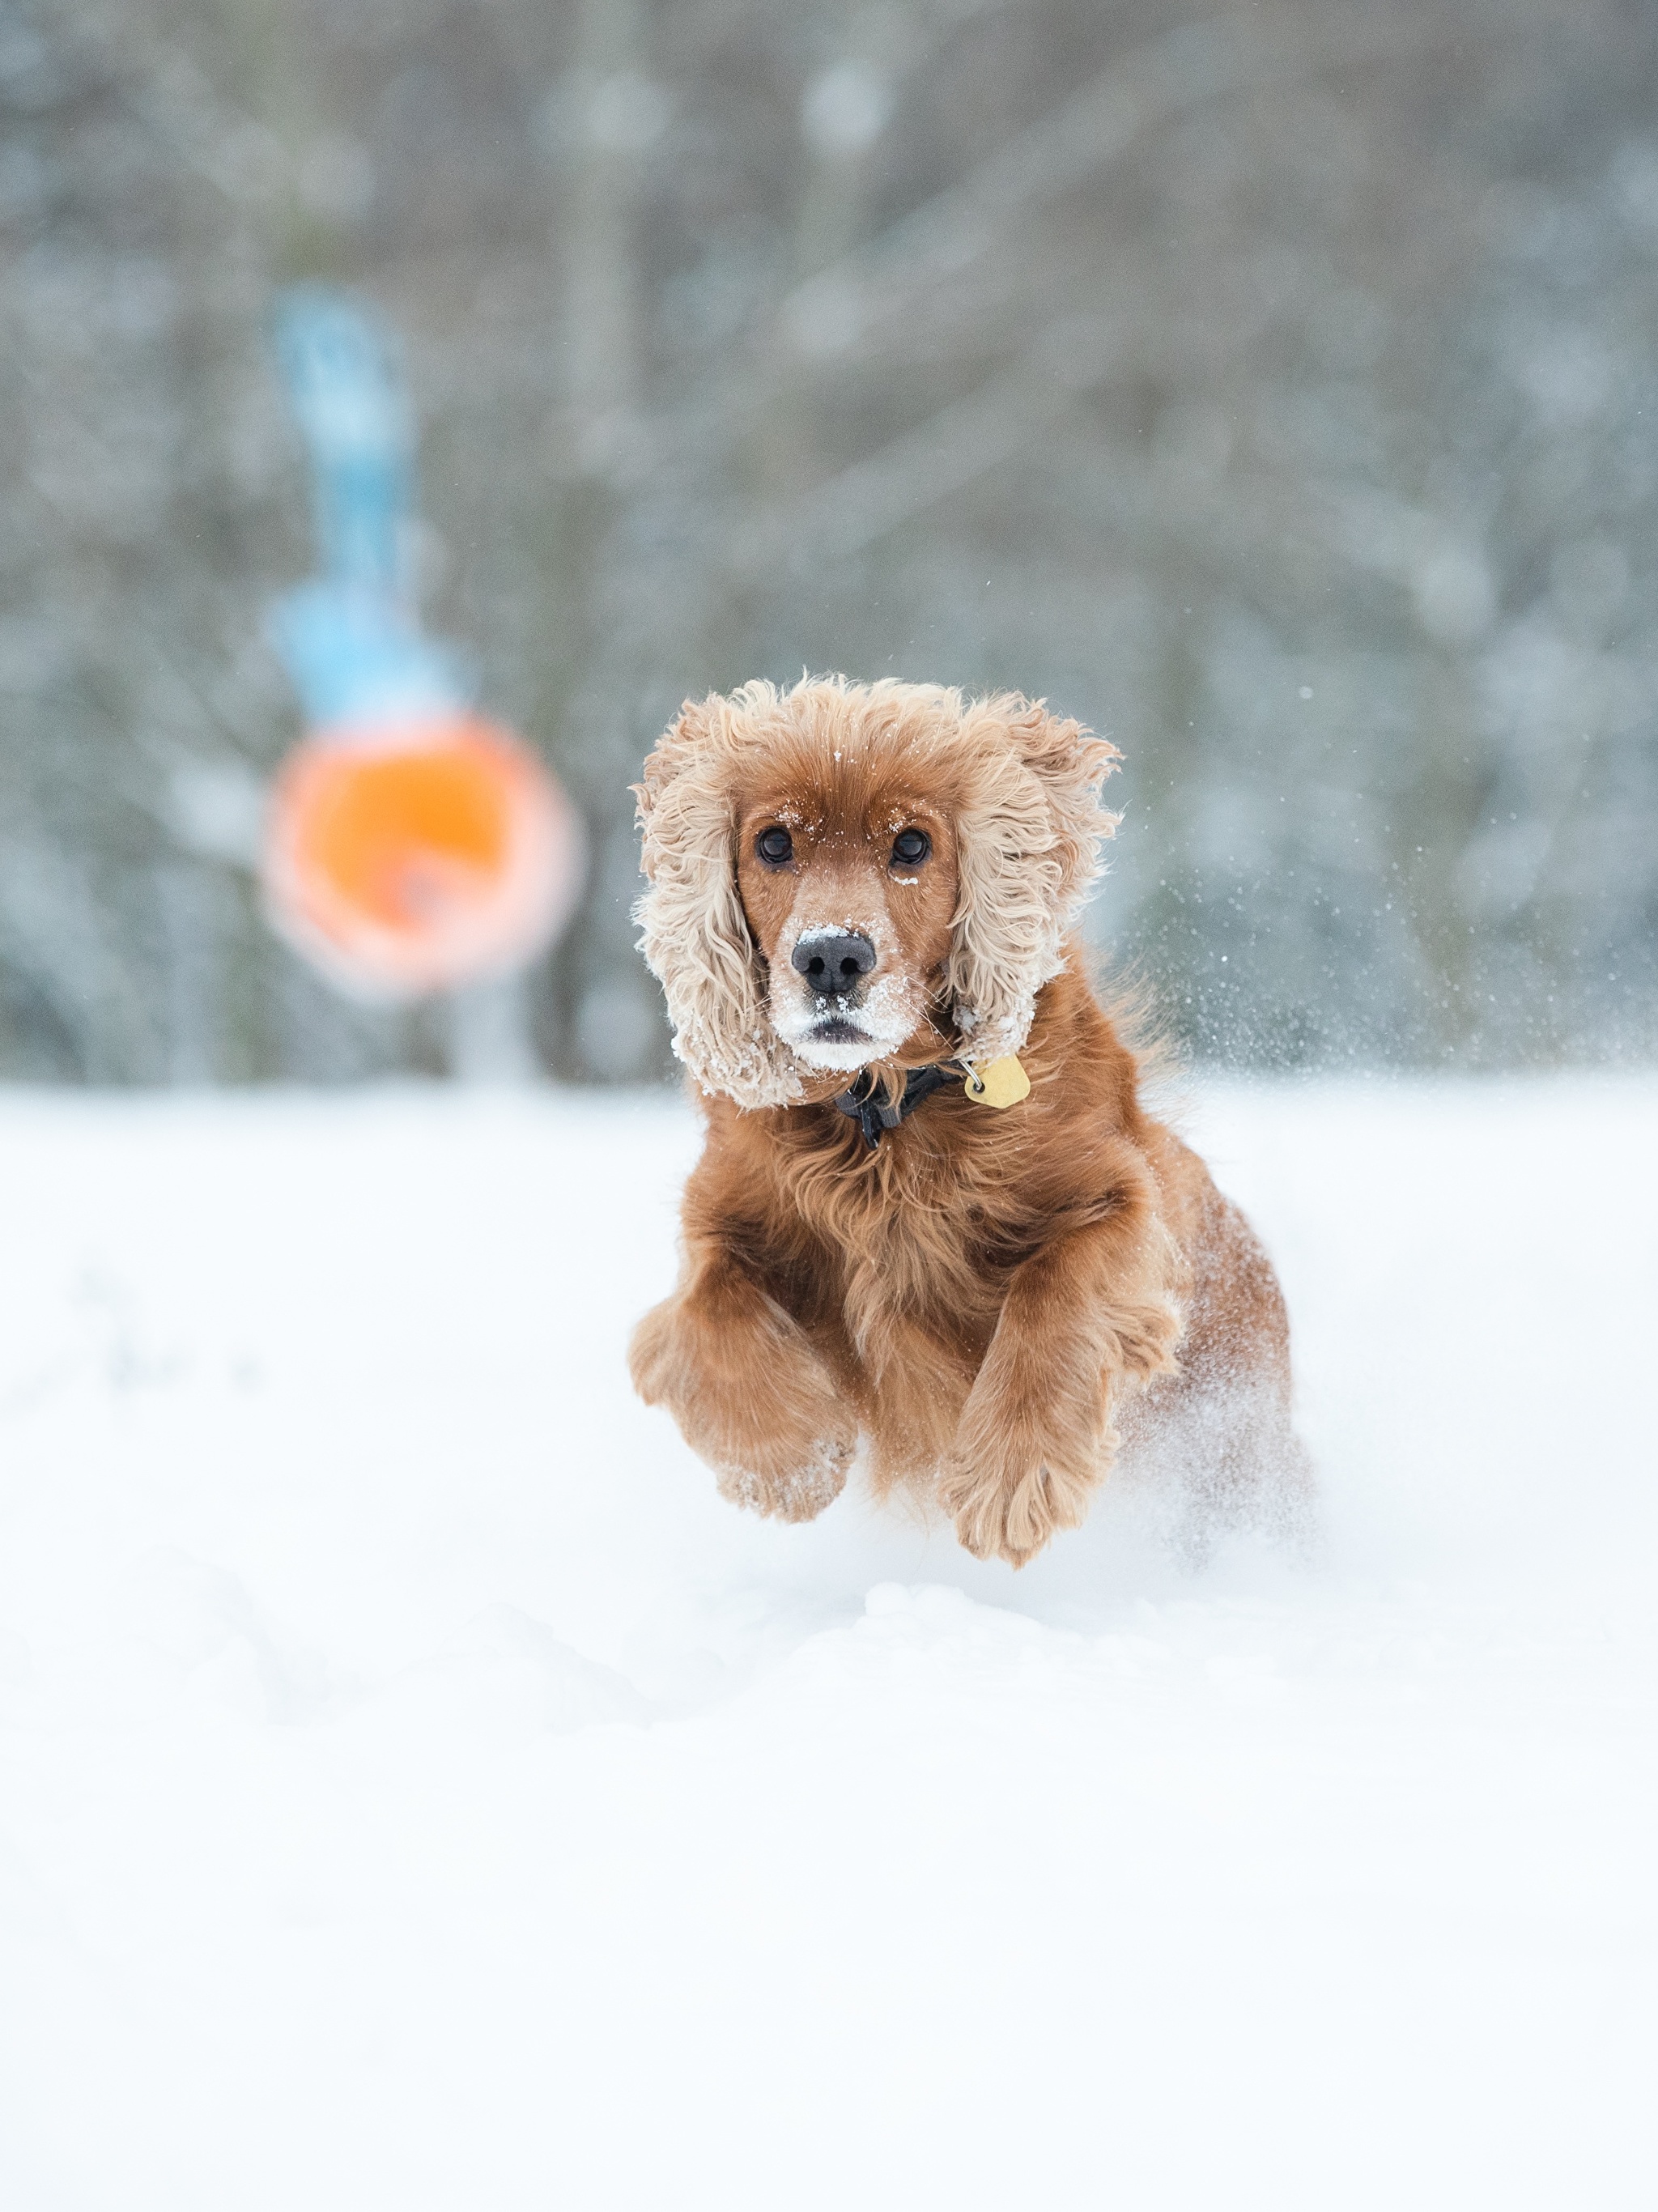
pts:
[833, 960]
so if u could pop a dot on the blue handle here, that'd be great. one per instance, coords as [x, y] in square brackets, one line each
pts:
[354, 416]
[350, 639]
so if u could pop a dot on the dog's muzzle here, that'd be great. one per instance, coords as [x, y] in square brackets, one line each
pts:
[834, 964]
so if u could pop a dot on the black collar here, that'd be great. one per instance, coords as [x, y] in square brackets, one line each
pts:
[866, 1102]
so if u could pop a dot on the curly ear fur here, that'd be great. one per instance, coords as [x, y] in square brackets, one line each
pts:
[1028, 827]
[1028, 846]
[693, 933]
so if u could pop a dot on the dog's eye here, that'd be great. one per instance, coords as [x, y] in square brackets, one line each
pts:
[910, 848]
[775, 845]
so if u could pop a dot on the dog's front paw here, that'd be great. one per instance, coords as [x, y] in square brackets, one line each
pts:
[1018, 1476]
[752, 1398]
[1010, 1514]
[798, 1492]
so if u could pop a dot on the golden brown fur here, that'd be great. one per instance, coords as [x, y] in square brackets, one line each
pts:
[989, 1298]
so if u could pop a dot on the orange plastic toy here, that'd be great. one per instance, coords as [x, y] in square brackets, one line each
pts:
[410, 857]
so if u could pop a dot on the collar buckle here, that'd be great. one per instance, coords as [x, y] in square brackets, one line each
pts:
[866, 1101]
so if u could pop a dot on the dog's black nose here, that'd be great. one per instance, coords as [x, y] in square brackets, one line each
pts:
[835, 960]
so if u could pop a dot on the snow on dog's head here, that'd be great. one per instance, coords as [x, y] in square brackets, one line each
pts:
[846, 875]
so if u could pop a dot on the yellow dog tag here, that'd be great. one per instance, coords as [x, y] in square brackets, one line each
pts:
[1004, 1083]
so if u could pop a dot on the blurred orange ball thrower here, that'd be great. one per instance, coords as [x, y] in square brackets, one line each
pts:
[411, 846]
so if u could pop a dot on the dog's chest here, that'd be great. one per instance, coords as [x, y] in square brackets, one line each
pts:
[917, 1252]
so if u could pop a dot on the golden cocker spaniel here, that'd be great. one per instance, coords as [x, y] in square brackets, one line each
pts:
[931, 1210]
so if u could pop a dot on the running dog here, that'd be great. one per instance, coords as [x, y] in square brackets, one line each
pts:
[931, 1211]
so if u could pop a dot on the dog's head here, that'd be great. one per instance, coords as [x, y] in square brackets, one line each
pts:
[842, 875]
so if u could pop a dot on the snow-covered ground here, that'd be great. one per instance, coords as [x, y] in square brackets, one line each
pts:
[420, 1790]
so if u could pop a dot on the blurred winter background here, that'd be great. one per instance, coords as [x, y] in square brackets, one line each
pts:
[1272, 385]
[417, 1786]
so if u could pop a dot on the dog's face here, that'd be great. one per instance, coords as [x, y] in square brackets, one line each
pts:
[843, 876]
[850, 885]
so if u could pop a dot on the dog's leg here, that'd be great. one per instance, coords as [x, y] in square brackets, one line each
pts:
[750, 1396]
[915, 1385]
[1091, 1315]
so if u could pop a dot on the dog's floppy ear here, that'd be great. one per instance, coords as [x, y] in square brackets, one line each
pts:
[1028, 840]
[693, 933]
